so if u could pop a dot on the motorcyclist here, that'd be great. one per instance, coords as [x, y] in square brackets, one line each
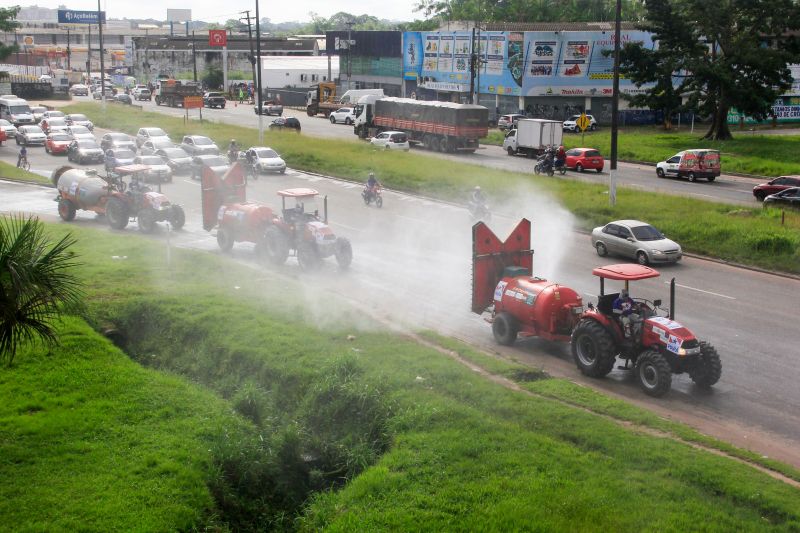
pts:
[372, 185]
[233, 151]
[561, 157]
[626, 309]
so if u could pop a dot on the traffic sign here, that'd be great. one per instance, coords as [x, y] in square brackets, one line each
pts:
[217, 37]
[582, 122]
[192, 102]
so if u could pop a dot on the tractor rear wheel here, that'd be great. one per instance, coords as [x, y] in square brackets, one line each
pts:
[225, 239]
[66, 210]
[654, 373]
[275, 246]
[117, 213]
[593, 348]
[177, 218]
[146, 219]
[505, 329]
[708, 369]
[343, 252]
[308, 257]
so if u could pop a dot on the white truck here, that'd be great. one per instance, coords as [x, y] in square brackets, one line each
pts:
[532, 136]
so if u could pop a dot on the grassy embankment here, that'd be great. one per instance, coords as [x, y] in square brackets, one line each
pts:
[746, 235]
[747, 152]
[10, 171]
[425, 443]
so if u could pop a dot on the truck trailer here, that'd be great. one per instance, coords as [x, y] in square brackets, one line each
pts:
[439, 126]
[532, 136]
[172, 92]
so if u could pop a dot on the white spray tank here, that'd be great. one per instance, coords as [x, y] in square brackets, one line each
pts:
[82, 187]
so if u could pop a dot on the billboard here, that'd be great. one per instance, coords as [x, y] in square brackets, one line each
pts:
[70, 16]
[179, 15]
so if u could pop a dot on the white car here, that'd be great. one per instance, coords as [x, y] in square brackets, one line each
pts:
[9, 128]
[80, 133]
[147, 134]
[151, 147]
[391, 140]
[28, 135]
[265, 159]
[345, 115]
[571, 124]
[79, 89]
[38, 112]
[77, 119]
[159, 171]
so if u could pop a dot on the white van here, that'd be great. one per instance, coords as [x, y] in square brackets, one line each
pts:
[351, 97]
[16, 111]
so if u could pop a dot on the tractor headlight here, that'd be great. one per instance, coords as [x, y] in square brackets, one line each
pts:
[688, 351]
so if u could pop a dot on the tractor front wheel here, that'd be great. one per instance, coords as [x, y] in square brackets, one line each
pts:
[275, 246]
[66, 210]
[505, 329]
[308, 257]
[147, 220]
[593, 348]
[708, 369]
[117, 213]
[344, 253]
[177, 218]
[654, 373]
[225, 239]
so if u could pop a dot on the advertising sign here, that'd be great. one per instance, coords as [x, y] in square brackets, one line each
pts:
[70, 16]
[412, 55]
[217, 37]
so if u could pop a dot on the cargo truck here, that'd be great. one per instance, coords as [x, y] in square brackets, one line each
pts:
[172, 92]
[439, 126]
[533, 136]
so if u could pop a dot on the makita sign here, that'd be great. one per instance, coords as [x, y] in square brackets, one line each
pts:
[68, 16]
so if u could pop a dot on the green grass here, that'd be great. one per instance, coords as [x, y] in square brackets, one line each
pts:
[9, 171]
[389, 434]
[752, 236]
[747, 153]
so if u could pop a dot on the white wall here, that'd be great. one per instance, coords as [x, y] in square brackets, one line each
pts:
[288, 71]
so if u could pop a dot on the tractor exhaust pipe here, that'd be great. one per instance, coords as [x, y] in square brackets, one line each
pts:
[672, 299]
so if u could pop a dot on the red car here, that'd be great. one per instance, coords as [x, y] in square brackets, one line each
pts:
[584, 158]
[57, 143]
[777, 185]
[3, 136]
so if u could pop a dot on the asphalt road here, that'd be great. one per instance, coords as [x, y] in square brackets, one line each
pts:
[412, 266]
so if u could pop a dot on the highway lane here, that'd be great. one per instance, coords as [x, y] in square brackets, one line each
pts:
[412, 265]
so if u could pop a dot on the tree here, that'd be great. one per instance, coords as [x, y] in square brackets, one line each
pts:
[213, 77]
[736, 56]
[8, 23]
[529, 11]
[34, 282]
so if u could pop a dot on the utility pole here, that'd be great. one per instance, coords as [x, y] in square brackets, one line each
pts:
[89, 55]
[473, 61]
[102, 64]
[194, 58]
[69, 53]
[612, 192]
[349, 52]
[250, 38]
[258, 76]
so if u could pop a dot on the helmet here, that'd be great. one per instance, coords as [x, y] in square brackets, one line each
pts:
[560, 147]
[233, 141]
[371, 174]
[477, 188]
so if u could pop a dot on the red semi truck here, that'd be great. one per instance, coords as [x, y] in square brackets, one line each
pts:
[439, 126]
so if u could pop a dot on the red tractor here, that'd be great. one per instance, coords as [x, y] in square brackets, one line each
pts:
[530, 306]
[225, 206]
[303, 231]
[112, 197]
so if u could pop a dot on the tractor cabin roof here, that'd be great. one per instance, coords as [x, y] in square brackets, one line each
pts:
[626, 272]
[300, 192]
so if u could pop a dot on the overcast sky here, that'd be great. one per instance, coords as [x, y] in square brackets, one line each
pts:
[220, 11]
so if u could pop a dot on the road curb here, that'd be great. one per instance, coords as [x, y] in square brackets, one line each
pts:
[28, 182]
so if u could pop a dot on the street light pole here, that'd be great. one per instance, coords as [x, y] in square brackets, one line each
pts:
[194, 58]
[612, 192]
[259, 104]
[102, 64]
[349, 53]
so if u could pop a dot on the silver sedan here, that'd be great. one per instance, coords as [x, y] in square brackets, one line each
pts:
[636, 240]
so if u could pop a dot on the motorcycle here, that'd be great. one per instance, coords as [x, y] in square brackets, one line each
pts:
[560, 166]
[372, 195]
[479, 211]
[544, 165]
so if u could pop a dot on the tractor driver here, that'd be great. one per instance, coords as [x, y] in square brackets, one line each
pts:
[625, 308]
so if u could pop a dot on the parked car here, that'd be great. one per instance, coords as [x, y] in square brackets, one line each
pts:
[571, 124]
[48, 124]
[212, 100]
[80, 132]
[53, 113]
[285, 122]
[775, 186]
[159, 171]
[265, 159]
[146, 134]
[582, 159]
[177, 159]
[391, 140]
[8, 128]
[507, 122]
[38, 113]
[116, 157]
[117, 140]
[217, 163]
[691, 164]
[138, 89]
[28, 135]
[77, 119]
[84, 151]
[636, 240]
[153, 146]
[142, 94]
[787, 197]
[57, 143]
[344, 115]
[198, 145]
[108, 91]
[123, 98]
[270, 108]
[79, 89]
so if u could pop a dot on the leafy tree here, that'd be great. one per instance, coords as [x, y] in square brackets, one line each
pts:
[34, 281]
[529, 10]
[8, 23]
[737, 56]
[213, 77]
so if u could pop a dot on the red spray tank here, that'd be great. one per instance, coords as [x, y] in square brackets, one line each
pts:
[520, 304]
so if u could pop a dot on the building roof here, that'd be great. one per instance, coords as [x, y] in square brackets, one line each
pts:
[235, 43]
